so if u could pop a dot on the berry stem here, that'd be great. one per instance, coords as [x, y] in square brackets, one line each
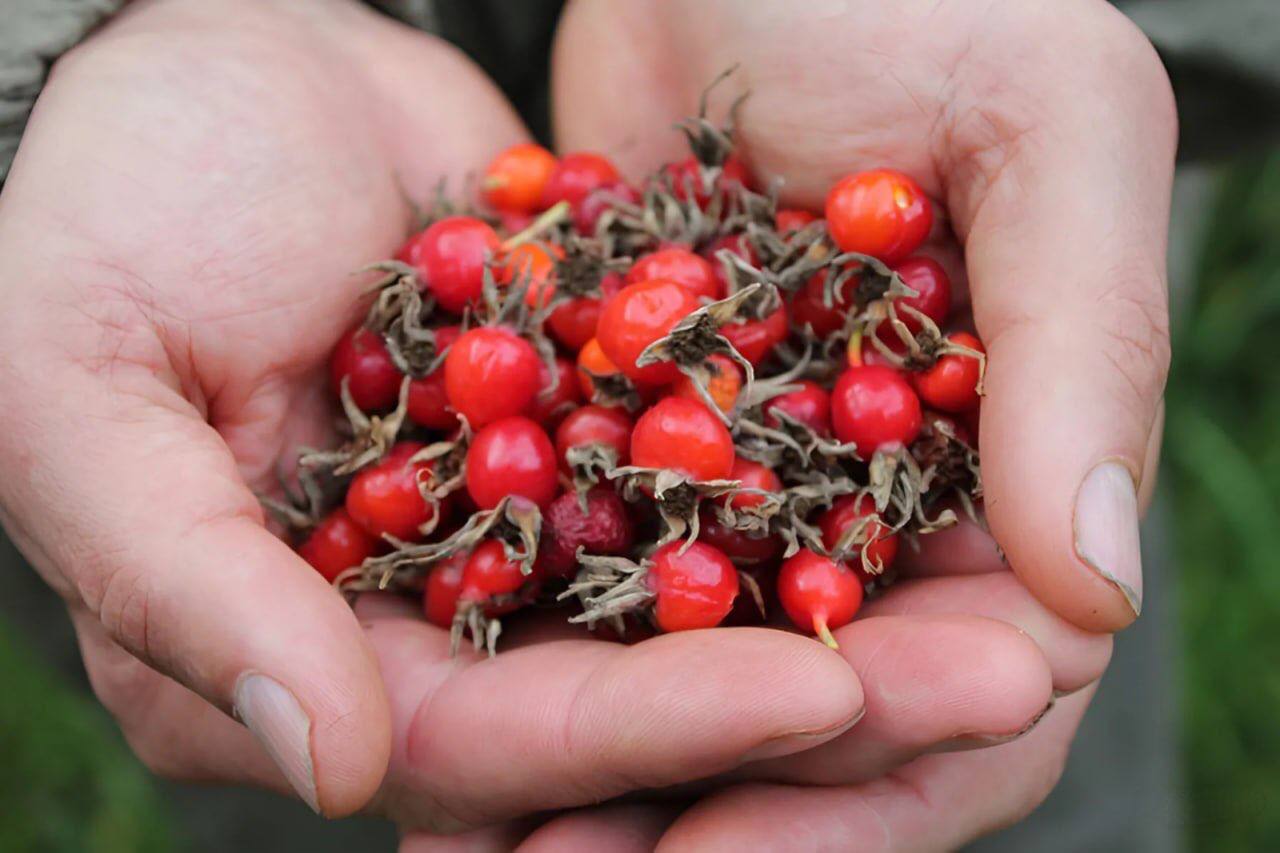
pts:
[549, 218]
[824, 633]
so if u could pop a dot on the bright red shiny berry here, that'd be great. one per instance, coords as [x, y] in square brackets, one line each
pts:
[573, 323]
[512, 456]
[490, 373]
[640, 314]
[951, 384]
[790, 220]
[361, 357]
[680, 265]
[587, 213]
[818, 594]
[686, 179]
[753, 475]
[881, 546]
[444, 586]
[881, 212]
[450, 256]
[694, 589]
[755, 339]
[514, 180]
[875, 408]
[428, 403]
[933, 290]
[337, 543]
[684, 436]
[607, 427]
[576, 176]
[385, 498]
[810, 404]
[552, 405]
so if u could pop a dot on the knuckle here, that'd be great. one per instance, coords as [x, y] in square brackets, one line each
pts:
[120, 595]
[1132, 317]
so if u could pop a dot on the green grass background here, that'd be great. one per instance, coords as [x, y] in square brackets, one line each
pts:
[69, 783]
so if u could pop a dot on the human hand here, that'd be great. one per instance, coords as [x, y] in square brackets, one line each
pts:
[176, 244]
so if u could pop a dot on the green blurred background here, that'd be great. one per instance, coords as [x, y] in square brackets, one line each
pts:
[70, 783]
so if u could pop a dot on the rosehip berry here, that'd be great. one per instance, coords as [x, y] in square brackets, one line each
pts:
[551, 406]
[723, 387]
[881, 212]
[880, 546]
[576, 176]
[489, 574]
[593, 363]
[336, 544]
[675, 263]
[755, 339]
[588, 211]
[490, 373]
[607, 427]
[640, 314]
[684, 436]
[809, 307]
[515, 179]
[861, 350]
[818, 594]
[534, 265]
[933, 291]
[604, 529]
[753, 476]
[385, 498]
[809, 404]
[428, 403]
[685, 176]
[573, 323]
[694, 589]
[952, 383]
[444, 586]
[790, 220]
[450, 256]
[512, 456]
[875, 408]
[362, 359]
[742, 548]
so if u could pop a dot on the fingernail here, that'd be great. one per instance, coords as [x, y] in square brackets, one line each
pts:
[795, 742]
[960, 743]
[1106, 529]
[276, 719]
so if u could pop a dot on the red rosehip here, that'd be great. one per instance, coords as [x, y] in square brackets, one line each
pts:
[789, 220]
[881, 546]
[933, 291]
[684, 436]
[604, 529]
[753, 476]
[588, 211]
[336, 544]
[450, 256]
[608, 427]
[385, 498]
[740, 547]
[444, 586]
[755, 339]
[576, 176]
[951, 384]
[818, 594]
[573, 323]
[512, 456]
[875, 408]
[809, 404]
[881, 212]
[490, 373]
[361, 357]
[551, 406]
[640, 314]
[723, 387]
[685, 177]
[515, 179]
[693, 589]
[428, 403]
[678, 264]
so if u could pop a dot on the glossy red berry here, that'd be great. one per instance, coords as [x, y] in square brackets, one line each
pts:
[450, 256]
[933, 290]
[881, 212]
[875, 408]
[593, 364]
[515, 179]
[881, 546]
[607, 427]
[686, 180]
[361, 357]
[444, 586]
[533, 266]
[818, 594]
[512, 456]
[428, 403]
[489, 573]
[337, 543]
[603, 529]
[951, 384]
[790, 220]
[694, 589]
[680, 265]
[755, 339]
[640, 314]
[490, 373]
[809, 404]
[753, 475]
[587, 213]
[684, 436]
[809, 307]
[742, 548]
[385, 498]
[576, 176]
[574, 322]
[723, 386]
[551, 405]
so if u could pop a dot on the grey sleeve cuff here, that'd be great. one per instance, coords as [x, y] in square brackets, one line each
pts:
[35, 33]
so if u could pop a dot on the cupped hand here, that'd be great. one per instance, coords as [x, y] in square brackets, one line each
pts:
[177, 241]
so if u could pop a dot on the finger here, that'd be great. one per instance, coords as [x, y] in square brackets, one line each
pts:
[938, 802]
[616, 828]
[499, 838]
[930, 683]
[568, 723]
[1076, 657]
[962, 549]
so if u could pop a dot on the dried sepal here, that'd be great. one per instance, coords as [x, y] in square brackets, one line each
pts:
[676, 497]
[608, 588]
[371, 436]
[589, 465]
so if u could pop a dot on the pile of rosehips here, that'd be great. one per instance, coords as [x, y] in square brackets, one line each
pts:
[647, 401]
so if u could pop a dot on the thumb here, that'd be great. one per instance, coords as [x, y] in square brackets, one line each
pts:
[1064, 233]
[150, 524]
